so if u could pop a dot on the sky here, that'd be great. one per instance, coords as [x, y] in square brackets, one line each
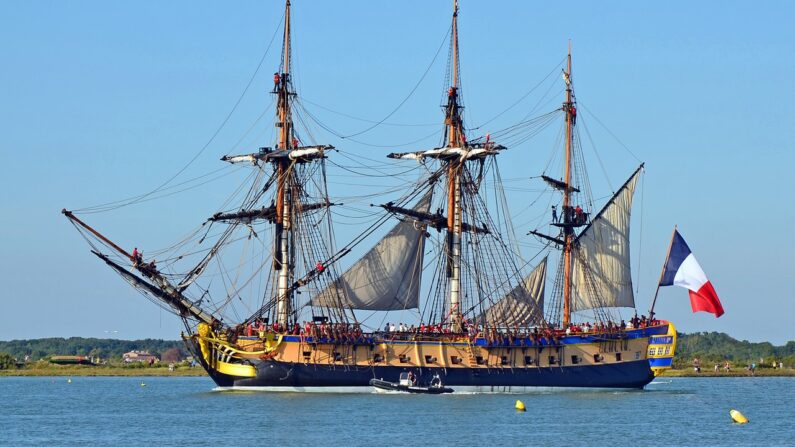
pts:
[107, 100]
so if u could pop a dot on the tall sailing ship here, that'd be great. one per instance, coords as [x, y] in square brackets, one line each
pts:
[484, 323]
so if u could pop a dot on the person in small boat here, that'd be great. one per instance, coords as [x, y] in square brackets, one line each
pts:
[412, 378]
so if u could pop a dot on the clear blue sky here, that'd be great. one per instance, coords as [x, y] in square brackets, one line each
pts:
[104, 100]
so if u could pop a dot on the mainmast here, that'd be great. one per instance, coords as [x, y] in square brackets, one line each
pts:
[453, 156]
[568, 221]
[281, 259]
[455, 139]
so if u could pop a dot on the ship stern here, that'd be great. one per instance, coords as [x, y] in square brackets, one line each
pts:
[661, 350]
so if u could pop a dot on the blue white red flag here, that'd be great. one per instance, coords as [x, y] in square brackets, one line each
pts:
[683, 270]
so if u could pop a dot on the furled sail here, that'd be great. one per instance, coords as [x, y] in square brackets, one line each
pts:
[388, 276]
[525, 303]
[601, 274]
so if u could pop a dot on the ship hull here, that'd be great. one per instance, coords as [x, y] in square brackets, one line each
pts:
[627, 360]
[276, 375]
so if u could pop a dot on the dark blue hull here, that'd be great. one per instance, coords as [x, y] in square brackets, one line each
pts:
[272, 374]
[621, 374]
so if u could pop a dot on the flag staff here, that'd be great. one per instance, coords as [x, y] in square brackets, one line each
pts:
[662, 274]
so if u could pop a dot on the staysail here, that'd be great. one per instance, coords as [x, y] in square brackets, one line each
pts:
[388, 276]
[601, 275]
[525, 303]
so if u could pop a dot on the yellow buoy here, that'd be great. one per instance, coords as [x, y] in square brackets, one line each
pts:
[738, 417]
[520, 405]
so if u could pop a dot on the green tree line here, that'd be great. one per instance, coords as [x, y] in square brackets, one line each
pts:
[719, 347]
[105, 348]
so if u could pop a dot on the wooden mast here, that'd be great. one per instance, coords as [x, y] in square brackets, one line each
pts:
[568, 230]
[281, 261]
[455, 133]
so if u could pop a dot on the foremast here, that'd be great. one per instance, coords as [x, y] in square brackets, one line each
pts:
[455, 138]
[283, 232]
[287, 207]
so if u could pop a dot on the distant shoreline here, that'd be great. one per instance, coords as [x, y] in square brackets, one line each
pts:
[102, 371]
[741, 372]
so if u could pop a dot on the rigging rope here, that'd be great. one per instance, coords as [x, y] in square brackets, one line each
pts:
[447, 33]
[136, 199]
[303, 99]
[522, 98]
[610, 132]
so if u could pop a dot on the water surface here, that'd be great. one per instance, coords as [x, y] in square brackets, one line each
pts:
[186, 411]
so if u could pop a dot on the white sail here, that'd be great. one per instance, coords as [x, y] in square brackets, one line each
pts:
[525, 303]
[601, 274]
[388, 276]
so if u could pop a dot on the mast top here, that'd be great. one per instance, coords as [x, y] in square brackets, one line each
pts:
[455, 44]
[567, 75]
[286, 55]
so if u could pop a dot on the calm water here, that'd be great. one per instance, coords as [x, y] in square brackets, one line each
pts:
[185, 411]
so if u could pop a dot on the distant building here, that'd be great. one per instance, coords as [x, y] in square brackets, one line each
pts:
[70, 360]
[139, 356]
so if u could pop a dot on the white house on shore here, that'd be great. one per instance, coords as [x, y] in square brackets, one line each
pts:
[139, 356]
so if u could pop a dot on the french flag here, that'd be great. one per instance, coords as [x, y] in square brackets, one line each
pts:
[683, 270]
